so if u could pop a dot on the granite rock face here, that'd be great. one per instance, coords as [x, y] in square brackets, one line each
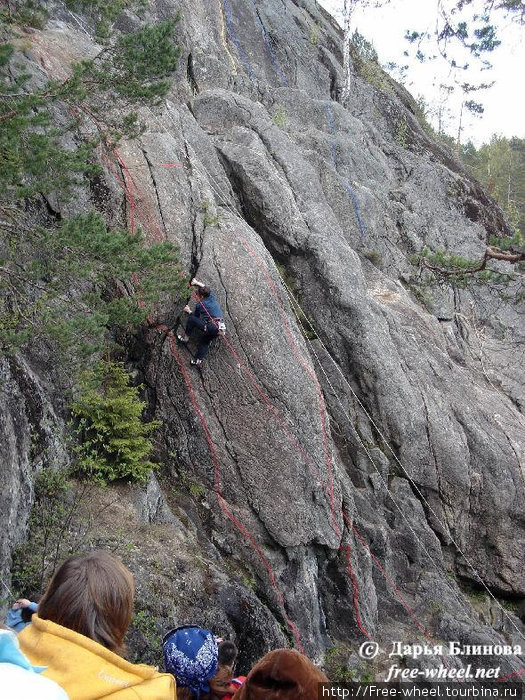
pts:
[360, 472]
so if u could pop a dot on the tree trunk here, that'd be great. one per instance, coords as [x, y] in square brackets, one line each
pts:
[460, 128]
[348, 9]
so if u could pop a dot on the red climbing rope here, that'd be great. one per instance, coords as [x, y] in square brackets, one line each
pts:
[222, 503]
[150, 222]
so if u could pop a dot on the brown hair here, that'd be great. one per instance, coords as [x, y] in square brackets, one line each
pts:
[204, 292]
[91, 594]
[283, 674]
[221, 681]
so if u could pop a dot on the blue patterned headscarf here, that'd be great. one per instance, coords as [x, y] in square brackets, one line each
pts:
[191, 655]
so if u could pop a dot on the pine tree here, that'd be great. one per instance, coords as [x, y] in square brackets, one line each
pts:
[114, 442]
[63, 281]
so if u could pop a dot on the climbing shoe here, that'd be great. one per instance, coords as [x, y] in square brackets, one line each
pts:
[182, 339]
[196, 363]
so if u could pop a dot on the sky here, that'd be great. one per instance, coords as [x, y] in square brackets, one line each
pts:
[504, 103]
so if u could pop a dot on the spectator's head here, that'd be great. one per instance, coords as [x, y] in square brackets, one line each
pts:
[91, 594]
[282, 674]
[227, 653]
[220, 684]
[26, 614]
[190, 654]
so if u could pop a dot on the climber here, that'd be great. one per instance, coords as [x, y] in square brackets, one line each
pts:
[207, 316]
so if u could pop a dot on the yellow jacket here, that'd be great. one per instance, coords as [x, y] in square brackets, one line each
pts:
[87, 670]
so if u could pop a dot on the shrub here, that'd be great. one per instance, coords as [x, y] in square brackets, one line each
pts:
[279, 118]
[114, 441]
[374, 256]
[37, 276]
[314, 35]
[58, 527]
[402, 131]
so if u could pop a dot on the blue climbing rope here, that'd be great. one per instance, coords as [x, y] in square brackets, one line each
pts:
[346, 184]
[242, 55]
[271, 51]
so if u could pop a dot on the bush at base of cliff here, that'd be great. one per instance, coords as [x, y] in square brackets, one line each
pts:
[67, 518]
[114, 442]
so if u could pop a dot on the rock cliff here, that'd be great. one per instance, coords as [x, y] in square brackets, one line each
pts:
[357, 467]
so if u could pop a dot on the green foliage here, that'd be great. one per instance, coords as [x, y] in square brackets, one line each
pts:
[335, 665]
[249, 581]
[513, 606]
[402, 132]
[500, 167]
[103, 13]
[191, 486]
[363, 48]
[456, 267]
[422, 113]
[366, 64]
[64, 521]
[460, 33]
[474, 107]
[144, 623]
[34, 159]
[69, 282]
[197, 490]
[435, 607]
[475, 595]
[314, 35]
[462, 272]
[508, 242]
[137, 66]
[37, 298]
[57, 530]
[448, 260]
[209, 218]
[279, 118]
[26, 13]
[113, 438]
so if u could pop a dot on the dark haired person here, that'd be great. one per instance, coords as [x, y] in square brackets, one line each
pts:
[78, 633]
[221, 687]
[207, 316]
[227, 653]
